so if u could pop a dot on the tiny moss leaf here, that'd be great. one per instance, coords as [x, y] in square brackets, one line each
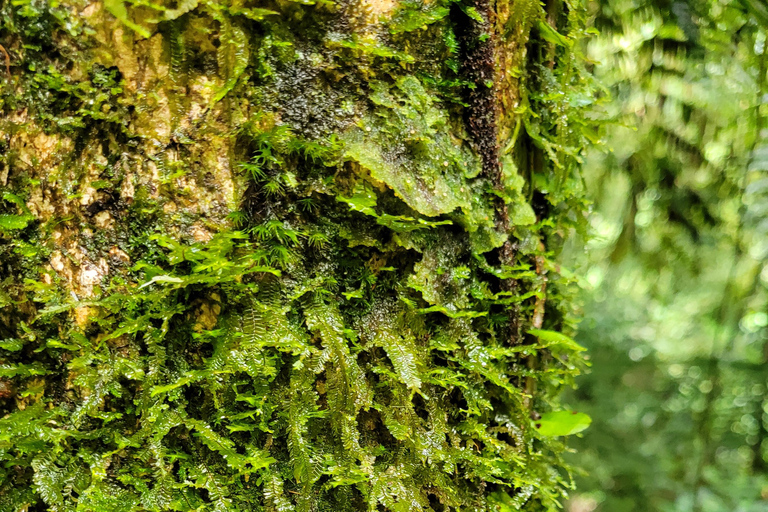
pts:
[562, 423]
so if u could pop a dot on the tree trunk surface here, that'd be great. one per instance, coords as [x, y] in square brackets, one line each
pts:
[286, 255]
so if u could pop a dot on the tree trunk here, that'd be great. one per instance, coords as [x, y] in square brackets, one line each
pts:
[285, 255]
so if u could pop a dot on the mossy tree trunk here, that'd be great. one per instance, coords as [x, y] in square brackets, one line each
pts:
[286, 255]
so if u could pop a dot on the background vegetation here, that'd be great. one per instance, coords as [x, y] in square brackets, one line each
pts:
[676, 310]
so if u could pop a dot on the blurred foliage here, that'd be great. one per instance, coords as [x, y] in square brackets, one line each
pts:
[675, 317]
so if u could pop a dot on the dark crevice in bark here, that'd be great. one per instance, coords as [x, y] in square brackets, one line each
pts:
[477, 42]
[478, 62]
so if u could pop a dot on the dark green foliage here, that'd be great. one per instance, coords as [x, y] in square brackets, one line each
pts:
[345, 342]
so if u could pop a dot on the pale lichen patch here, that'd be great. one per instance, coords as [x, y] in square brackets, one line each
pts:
[127, 189]
[377, 9]
[122, 42]
[83, 316]
[90, 274]
[80, 272]
[103, 220]
[119, 255]
[37, 149]
[200, 233]
[41, 205]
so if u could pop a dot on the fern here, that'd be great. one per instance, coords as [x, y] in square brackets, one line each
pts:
[233, 55]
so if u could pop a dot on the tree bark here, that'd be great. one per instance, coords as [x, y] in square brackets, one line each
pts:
[285, 255]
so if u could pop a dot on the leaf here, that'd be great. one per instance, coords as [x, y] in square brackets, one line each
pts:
[453, 313]
[552, 35]
[405, 224]
[523, 214]
[13, 198]
[501, 502]
[562, 423]
[24, 370]
[233, 56]
[472, 13]
[362, 200]
[357, 294]
[556, 338]
[49, 481]
[255, 13]
[399, 344]
[372, 47]
[162, 279]
[59, 344]
[190, 377]
[8, 222]
[11, 345]
[408, 20]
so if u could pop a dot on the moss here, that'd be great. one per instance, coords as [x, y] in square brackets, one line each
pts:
[406, 144]
[251, 261]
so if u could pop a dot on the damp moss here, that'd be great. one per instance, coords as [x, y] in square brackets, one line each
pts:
[252, 259]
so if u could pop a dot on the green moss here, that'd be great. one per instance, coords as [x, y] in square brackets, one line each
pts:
[406, 144]
[413, 16]
[344, 343]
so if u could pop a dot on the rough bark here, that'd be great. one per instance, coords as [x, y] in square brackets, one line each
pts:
[284, 255]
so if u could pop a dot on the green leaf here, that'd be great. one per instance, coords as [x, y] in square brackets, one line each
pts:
[362, 200]
[8, 222]
[357, 294]
[501, 502]
[12, 345]
[255, 13]
[550, 338]
[453, 313]
[408, 20]
[162, 279]
[13, 198]
[233, 55]
[24, 370]
[562, 423]
[552, 35]
[189, 378]
[372, 47]
[472, 13]
[523, 214]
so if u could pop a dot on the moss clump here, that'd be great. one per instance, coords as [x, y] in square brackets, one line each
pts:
[251, 261]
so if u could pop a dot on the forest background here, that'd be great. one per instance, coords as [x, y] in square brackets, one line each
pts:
[676, 313]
